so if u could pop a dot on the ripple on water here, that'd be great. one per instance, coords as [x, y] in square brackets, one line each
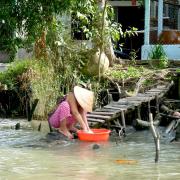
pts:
[25, 154]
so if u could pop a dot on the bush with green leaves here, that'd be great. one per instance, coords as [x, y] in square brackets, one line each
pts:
[14, 71]
[130, 72]
[159, 55]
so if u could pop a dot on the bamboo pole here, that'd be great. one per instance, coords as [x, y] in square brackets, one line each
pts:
[123, 119]
[156, 137]
[155, 134]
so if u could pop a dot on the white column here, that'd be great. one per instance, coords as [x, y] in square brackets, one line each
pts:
[179, 17]
[153, 9]
[160, 16]
[147, 22]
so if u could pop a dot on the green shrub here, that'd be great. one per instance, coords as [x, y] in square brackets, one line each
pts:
[159, 55]
[130, 72]
[15, 70]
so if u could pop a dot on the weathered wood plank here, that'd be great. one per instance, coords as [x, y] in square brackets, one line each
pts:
[116, 108]
[133, 103]
[96, 120]
[138, 98]
[116, 105]
[134, 98]
[102, 113]
[163, 87]
[130, 106]
[120, 102]
[145, 95]
[106, 110]
[152, 93]
[92, 124]
[123, 100]
[98, 116]
[172, 101]
[156, 90]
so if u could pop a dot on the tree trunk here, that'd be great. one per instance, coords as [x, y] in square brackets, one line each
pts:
[40, 47]
[108, 46]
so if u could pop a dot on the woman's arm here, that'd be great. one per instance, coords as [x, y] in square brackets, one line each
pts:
[74, 110]
[84, 117]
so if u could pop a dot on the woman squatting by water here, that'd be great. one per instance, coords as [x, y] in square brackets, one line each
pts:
[72, 109]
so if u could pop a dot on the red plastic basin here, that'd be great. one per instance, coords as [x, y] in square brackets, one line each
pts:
[97, 135]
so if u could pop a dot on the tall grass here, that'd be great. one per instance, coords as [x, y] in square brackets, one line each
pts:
[159, 55]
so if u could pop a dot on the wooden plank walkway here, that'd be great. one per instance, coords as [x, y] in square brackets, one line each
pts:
[117, 109]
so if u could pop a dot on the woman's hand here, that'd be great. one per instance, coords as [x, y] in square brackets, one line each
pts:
[89, 131]
[177, 114]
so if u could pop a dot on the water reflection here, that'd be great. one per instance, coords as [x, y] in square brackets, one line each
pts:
[25, 154]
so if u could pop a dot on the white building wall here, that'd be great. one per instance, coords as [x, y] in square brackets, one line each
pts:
[172, 51]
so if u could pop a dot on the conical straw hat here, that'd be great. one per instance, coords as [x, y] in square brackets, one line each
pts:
[84, 97]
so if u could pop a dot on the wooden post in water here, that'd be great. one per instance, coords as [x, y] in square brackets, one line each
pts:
[157, 104]
[178, 80]
[149, 107]
[123, 120]
[155, 133]
[139, 112]
[156, 137]
[31, 108]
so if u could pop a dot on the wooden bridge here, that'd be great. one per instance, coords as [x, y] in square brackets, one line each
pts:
[117, 110]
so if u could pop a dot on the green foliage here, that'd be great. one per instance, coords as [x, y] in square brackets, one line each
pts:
[7, 28]
[35, 15]
[130, 72]
[141, 2]
[178, 70]
[88, 20]
[159, 54]
[16, 80]
[34, 78]
[15, 70]
[45, 87]
[56, 75]
[82, 19]
[148, 82]
[47, 84]
[27, 17]
[133, 56]
[39, 79]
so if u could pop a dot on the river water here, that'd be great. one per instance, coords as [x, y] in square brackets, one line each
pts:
[26, 154]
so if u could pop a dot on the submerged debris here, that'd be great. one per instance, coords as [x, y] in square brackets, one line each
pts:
[17, 126]
[55, 135]
[96, 146]
[126, 161]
